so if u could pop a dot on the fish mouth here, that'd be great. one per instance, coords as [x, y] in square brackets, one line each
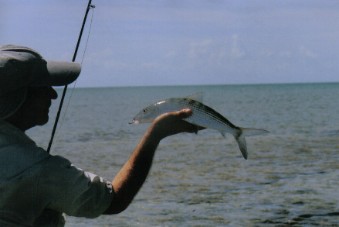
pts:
[135, 122]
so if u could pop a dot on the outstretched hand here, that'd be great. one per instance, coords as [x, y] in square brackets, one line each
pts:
[173, 123]
[134, 172]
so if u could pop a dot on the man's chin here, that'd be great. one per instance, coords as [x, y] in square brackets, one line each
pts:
[42, 121]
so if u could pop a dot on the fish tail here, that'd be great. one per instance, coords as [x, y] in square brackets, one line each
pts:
[240, 138]
[253, 131]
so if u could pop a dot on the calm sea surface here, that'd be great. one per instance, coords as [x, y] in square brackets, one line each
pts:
[291, 177]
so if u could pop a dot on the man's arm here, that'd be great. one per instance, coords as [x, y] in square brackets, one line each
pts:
[133, 174]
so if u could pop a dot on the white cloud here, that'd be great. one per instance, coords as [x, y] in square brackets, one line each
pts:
[199, 49]
[285, 53]
[236, 52]
[306, 52]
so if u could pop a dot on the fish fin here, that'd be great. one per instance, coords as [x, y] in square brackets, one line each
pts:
[240, 138]
[196, 96]
[253, 131]
[223, 134]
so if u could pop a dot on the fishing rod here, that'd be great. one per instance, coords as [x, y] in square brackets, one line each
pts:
[89, 6]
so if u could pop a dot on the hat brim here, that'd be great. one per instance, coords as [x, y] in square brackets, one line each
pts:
[56, 73]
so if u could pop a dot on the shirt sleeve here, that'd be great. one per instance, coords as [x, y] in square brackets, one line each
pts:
[68, 189]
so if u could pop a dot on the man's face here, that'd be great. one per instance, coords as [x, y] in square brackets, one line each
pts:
[36, 107]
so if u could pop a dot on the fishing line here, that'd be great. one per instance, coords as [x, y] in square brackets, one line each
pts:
[89, 6]
[88, 35]
[82, 60]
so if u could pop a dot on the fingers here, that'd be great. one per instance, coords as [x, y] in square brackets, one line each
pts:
[192, 128]
[173, 123]
[174, 116]
[184, 113]
[182, 125]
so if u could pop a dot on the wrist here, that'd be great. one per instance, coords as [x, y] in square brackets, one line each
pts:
[153, 135]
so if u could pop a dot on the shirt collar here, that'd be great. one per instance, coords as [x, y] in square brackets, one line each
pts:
[11, 134]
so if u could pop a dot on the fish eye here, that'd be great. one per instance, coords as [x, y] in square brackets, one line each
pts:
[144, 110]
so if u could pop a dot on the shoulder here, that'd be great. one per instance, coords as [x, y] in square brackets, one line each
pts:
[72, 190]
[16, 158]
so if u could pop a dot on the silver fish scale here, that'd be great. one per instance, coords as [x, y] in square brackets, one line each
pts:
[202, 115]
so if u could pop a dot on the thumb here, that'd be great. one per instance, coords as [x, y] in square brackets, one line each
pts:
[184, 113]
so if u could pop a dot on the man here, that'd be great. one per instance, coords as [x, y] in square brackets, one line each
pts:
[36, 187]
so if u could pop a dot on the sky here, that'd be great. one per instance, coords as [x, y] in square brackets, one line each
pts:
[186, 42]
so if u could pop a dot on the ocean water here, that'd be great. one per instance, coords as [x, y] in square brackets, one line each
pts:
[291, 177]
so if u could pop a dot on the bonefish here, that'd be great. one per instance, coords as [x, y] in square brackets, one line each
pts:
[202, 115]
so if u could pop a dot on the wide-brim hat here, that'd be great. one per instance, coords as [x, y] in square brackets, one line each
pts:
[22, 67]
